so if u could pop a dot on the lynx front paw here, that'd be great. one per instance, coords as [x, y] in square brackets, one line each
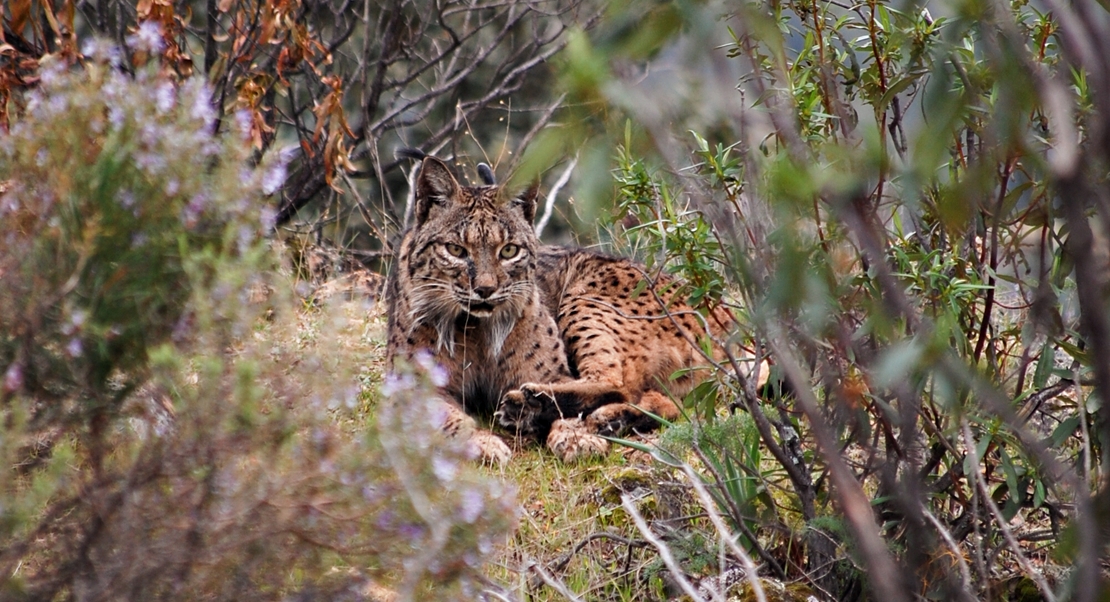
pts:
[519, 409]
[537, 393]
[571, 441]
[490, 447]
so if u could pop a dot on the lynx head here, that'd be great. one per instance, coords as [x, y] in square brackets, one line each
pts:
[472, 255]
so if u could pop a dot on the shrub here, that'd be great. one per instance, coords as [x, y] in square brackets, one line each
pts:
[169, 438]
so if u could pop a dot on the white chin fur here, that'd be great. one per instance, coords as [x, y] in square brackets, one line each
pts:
[495, 324]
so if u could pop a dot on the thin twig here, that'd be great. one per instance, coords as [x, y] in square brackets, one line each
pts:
[664, 551]
[965, 571]
[553, 583]
[999, 520]
[722, 530]
[553, 193]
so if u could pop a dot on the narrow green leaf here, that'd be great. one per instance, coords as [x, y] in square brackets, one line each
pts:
[1044, 366]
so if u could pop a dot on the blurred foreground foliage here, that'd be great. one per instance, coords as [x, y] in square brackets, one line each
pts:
[161, 436]
[908, 206]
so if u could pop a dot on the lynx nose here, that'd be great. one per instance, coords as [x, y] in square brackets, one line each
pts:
[485, 285]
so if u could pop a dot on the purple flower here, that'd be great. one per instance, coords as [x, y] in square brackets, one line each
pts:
[437, 416]
[148, 38]
[267, 217]
[471, 505]
[350, 397]
[439, 375]
[395, 383]
[13, 378]
[210, 148]
[116, 116]
[424, 359]
[52, 73]
[243, 240]
[9, 202]
[74, 348]
[101, 50]
[56, 105]
[444, 469]
[198, 203]
[273, 177]
[243, 122]
[411, 531]
[191, 213]
[76, 321]
[151, 163]
[201, 107]
[164, 97]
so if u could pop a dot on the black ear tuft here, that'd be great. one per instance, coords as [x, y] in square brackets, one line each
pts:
[486, 174]
[527, 201]
[435, 185]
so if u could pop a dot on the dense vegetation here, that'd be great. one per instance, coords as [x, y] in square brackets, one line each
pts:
[907, 206]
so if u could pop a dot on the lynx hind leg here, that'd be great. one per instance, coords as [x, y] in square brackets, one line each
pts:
[571, 440]
[485, 445]
[617, 419]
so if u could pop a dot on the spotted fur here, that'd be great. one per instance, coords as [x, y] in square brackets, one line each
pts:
[463, 289]
[626, 334]
[561, 343]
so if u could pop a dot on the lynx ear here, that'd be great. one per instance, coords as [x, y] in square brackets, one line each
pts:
[527, 201]
[435, 185]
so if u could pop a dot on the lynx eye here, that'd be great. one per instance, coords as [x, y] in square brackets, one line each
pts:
[455, 250]
[509, 251]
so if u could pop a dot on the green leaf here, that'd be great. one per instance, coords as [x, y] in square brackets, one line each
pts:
[1038, 493]
[897, 362]
[894, 89]
[1044, 366]
[980, 449]
[655, 451]
[1011, 472]
[1064, 430]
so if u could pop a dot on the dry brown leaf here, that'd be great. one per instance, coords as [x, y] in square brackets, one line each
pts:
[20, 11]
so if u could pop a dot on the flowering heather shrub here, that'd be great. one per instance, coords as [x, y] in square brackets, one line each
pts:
[130, 259]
